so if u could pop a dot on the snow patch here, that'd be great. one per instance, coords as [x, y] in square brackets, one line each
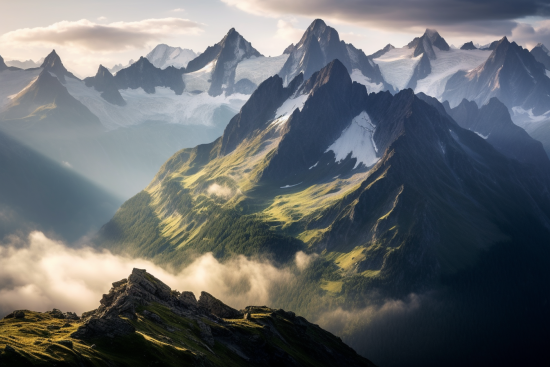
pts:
[163, 56]
[199, 80]
[288, 186]
[164, 105]
[315, 165]
[357, 76]
[258, 69]
[357, 140]
[547, 73]
[483, 136]
[446, 65]
[283, 113]
[397, 66]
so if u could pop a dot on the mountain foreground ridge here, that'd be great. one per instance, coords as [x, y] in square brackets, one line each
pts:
[141, 321]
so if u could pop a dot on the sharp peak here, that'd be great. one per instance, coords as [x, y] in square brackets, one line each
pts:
[317, 23]
[431, 31]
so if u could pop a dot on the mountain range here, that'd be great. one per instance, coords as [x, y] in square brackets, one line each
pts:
[413, 180]
[390, 193]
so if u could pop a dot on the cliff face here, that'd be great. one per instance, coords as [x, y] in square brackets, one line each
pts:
[142, 321]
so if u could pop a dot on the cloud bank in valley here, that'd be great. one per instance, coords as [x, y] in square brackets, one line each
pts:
[94, 36]
[491, 16]
[39, 273]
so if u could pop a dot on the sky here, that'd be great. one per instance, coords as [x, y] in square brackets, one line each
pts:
[87, 33]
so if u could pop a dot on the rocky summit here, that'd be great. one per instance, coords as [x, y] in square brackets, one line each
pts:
[142, 322]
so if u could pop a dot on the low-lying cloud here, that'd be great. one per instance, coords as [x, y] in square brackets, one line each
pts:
[94, 36]
[405, 14]
[39, 273]
[221, 191]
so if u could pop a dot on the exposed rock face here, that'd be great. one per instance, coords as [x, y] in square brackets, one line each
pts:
[3, 65]
[143, 74]
[319, 46]
[468, 46]
[421, 70]
[48, 105]
[541, 54]
[126, 309]
[381, 52]
[104, 82]
[53, 64]
[217, 307]
[425, 44]
[511, 74]
[224, 57]
[493, 122]
[142, 289]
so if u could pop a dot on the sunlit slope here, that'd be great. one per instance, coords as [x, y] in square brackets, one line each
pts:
[431, 200]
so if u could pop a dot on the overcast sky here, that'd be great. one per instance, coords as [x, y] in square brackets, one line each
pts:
[88, 33]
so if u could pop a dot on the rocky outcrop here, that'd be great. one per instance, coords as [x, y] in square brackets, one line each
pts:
[542, 55]
[141, 289]
[104, 82]
[143, 74]
[216, 307]
[468, 46]
[381, 52]
[53, 64]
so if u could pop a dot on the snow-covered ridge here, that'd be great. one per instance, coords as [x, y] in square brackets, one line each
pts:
[397, 66]
[163, 56]
[357, 76]
[258, 69]
[283, 113]
[164, 105]
[446, 65]
[357, 139]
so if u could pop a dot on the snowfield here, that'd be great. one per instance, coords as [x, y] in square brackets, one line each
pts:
[357, 76]
[199, 80]
[283, 113]
[397, 66]
[258, 69]
[164, 105]
[446, 65]
[357, 139]
[163, 56]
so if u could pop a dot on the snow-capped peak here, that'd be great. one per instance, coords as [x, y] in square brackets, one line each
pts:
[163, 56]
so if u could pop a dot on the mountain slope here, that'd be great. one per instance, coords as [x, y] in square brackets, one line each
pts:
[163, 56]
[170, 328]
[53, 64]
[104, 82]
[388, 193]
[320, 45]
[37, 193]
[511, 74]
[47, 105]
[542, 55]
[424, 67]
[493, 123]
[143, 74]
[214, 70]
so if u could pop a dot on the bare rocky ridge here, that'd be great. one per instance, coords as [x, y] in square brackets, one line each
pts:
[134, 301]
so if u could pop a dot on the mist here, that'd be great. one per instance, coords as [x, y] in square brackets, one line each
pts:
[39, 273]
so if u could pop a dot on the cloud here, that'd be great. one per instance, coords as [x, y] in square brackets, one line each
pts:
[405, 14]
[287, 31]
[529, 35]
[221, 191]
[102, 19]
[177, 10]
[39, 273]
[117, 36]
[303, 260]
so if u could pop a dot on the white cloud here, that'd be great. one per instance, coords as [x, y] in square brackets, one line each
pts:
[287, 31]
[221, 191]
[117, 36]
[102, 19]
[177, 10]
[303, 260]
[39, 273]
